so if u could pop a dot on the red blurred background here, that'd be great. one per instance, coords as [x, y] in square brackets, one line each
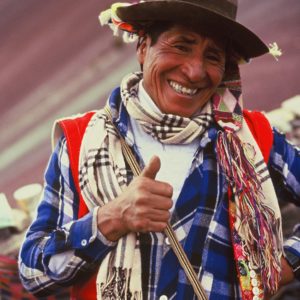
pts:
[56, 60]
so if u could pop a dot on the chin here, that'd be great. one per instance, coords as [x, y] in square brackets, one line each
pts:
[182, 113]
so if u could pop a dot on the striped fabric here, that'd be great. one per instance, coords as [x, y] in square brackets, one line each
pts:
[166, 128]
[200, 220]
[103, 176]
[255, 218]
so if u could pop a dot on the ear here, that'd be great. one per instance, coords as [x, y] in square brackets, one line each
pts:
[142, 50]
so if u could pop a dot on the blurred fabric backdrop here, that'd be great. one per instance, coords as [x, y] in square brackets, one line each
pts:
[56, 60]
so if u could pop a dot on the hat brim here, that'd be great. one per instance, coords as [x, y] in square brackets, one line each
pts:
[248, 44]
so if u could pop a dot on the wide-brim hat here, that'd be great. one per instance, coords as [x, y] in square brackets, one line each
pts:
[218, 16]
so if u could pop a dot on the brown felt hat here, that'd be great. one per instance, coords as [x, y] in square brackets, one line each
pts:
[216, 15]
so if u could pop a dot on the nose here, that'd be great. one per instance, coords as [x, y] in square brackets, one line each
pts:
[194, 69]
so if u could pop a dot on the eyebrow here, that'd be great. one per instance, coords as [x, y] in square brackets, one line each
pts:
[188, 40]
[216, 49]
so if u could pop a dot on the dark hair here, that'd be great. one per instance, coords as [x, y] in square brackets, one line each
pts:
[153, 30]
[156, 30]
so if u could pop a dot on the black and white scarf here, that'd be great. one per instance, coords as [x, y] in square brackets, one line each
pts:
[166, 128]
[103, 176]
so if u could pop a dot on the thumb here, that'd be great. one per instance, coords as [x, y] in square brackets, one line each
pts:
[152, 168]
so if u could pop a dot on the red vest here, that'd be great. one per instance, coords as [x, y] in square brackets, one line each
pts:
[74, 130]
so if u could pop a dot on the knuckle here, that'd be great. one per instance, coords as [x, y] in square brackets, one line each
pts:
[164, 226]
[139, 189]
[165, 216]
[141, 199]
[171, 190]
[140, 225]
[140, 211]
[141, 181]
[136, 225]
[137, 195]
[168, 215]
[169, 204]
[137, 184]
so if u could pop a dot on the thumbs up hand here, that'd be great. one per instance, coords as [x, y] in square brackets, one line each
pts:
[152, 168]
[142, 207]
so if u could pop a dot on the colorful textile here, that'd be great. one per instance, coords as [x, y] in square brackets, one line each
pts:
[103, 175]
[166, 128]
[109, 17]
[200, 220]
[256, 214]
[255, 217]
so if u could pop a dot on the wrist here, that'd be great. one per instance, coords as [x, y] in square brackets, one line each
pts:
[110, 222]
[287, 274]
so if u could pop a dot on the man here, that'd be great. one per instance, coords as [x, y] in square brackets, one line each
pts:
[204, 171]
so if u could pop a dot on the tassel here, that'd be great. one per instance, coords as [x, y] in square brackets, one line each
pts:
[274, 50]
[116, 287]
[109, 17]
[129, 37]
[231, 156]
[105, 17]
[257, 222]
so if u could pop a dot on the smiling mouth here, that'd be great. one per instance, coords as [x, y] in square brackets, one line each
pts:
[182, 89]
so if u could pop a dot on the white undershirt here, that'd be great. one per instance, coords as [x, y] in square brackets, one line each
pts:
[175, 160]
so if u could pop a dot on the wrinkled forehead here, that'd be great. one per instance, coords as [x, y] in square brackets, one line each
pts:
[190, 30]
[196, 31]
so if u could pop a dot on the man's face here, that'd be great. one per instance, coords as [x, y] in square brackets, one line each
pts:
[181, 70]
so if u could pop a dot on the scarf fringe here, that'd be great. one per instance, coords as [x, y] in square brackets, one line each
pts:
[117, 287]
[257, 222]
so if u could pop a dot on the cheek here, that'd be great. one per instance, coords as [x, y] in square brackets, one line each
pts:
[153, 75]
[216, 76]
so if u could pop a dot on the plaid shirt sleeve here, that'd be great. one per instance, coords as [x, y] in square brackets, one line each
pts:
[285, 172]
[59, 247]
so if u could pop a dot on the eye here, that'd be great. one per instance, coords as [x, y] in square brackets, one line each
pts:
[181, 47]
[214, 57]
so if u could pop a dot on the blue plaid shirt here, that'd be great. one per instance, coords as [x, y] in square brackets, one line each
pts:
[60, 249]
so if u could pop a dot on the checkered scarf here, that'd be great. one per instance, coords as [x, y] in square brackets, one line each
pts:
[167, 128]
[254, 212]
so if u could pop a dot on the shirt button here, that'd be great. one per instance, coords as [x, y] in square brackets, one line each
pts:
[163, 297]
[167, 241]
[83, 243]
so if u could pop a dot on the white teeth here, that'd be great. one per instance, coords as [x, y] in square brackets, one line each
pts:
[182, 90]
